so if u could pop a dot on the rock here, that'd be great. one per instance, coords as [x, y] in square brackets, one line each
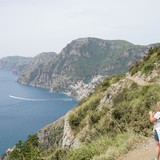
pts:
[69, 140]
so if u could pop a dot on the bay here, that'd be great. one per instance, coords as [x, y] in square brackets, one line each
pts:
[25, 109]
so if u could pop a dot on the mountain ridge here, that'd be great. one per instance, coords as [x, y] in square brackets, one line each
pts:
[80, 62]
[14, 63]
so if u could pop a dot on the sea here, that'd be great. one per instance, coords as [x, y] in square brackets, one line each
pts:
[24, 109]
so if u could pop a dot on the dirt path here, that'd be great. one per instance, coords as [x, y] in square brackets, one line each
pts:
[143, 151]
[139, 81]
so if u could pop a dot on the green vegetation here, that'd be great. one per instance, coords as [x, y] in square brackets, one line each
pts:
[108, 82]
[104, 148]
[86, 110]
[114, 130]
[109, 121]
[149, 62]
[131, 107]
[52, 135]
[26, 150]
[78, 119]
[129, 111]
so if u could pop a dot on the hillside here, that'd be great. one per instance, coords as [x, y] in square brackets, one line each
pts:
[14, 63]
[106, 124]
[38, 65]
[83, 61]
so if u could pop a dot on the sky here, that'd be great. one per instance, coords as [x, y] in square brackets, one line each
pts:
[29, 27]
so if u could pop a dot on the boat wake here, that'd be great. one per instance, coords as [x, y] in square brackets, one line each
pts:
[32, 99]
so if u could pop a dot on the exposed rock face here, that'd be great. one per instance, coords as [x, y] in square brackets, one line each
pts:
[16, 64]
[80, 62]
[5, 156]
[51, 135]
[69, 140]
[39, 64]
[57, 134]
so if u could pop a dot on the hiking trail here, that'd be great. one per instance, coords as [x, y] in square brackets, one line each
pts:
[143, 151]
[139, 81]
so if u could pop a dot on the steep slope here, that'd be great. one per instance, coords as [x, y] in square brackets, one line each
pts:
[109, 122]
[14, 63]
[148, 69]
[81, 61]
[38, 72]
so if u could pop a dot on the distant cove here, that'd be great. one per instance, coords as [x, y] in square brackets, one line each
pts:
[25, 109]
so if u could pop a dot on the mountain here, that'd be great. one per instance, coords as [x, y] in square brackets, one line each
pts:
[39, 69]
[104, 125]
[82, 61]
[14, 63]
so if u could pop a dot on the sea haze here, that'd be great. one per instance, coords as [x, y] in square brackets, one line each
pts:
[25, 109]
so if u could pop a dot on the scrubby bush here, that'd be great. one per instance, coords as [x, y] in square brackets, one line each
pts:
[147, 69]
[148, 64]
[26, 150]
[78, 117]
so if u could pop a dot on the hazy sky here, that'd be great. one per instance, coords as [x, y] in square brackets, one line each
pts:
[28, 27]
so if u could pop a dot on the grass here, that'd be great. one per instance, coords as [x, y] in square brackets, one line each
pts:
[112, 130]
[105, 147]
[129, 110]
[148, 64]
[102, 148]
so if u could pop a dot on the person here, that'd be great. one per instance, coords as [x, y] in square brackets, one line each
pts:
[155, 119]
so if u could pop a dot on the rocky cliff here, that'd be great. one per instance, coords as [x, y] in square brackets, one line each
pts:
[16, 64]
[82, 61]
[38, 72]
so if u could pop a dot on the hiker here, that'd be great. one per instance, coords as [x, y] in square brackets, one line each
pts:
[155, 119]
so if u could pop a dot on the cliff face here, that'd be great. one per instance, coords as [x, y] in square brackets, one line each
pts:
[38, 72]
[82, 61]
[51, 136]
[16, 64]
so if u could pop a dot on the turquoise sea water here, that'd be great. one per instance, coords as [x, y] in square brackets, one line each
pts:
[25, 109]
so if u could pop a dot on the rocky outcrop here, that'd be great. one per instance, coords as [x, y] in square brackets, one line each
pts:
[32, 74]
[57, 134]
[16, 64]
[69, 140]
[5, 156]
[51, 135]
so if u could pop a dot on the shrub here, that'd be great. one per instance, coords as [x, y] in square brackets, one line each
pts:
[78, 117]
[94, 118]
[26, 150]
[147, 69]
[147, 65]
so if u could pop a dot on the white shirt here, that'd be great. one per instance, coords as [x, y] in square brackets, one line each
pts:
[157, 123]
